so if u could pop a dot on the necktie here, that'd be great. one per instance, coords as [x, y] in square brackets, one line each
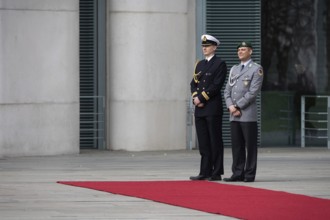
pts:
[206, 61]
[242, 67]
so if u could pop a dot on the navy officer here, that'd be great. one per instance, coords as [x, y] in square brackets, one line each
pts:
[208, 79]
[243, 86]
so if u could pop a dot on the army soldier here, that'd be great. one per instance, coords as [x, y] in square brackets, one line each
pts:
[206, 85]
[243, 86]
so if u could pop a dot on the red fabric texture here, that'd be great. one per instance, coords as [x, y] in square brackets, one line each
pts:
[230, 200]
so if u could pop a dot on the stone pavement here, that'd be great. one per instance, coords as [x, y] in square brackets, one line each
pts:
[28, 188]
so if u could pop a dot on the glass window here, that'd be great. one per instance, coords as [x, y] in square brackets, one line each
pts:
[295, 44]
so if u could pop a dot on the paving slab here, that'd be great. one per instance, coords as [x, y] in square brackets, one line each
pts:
[28, 188]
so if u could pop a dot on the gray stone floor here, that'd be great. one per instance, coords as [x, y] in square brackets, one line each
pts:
[28, 188]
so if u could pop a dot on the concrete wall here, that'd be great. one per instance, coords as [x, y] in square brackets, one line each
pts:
[150, 58]
[39, 77]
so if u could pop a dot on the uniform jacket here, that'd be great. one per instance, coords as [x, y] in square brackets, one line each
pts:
[242, 89]
[207, 82]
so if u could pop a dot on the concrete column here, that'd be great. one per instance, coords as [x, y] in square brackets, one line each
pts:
[39, 77]
[151, 54]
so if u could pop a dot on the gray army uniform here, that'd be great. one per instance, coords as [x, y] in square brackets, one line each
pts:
[242, 89]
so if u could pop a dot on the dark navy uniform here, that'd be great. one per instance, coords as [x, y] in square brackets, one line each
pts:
[207, 82]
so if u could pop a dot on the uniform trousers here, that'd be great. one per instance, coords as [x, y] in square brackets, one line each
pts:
[244, 139]
[209, 134]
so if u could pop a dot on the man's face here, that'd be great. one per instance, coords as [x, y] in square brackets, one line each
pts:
[244, 53]
[208, 50]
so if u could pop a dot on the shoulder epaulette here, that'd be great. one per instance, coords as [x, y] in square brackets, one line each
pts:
[256, 64]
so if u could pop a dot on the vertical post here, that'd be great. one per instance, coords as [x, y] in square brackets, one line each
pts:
[302, 121]
[200, 25]
[189, 145]
[328, 127]
[101, 72]
[293, 122]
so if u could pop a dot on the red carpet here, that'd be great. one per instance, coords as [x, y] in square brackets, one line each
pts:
[230, 200]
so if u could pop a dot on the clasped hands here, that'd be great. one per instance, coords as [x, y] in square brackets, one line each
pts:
[197, 102]
[234, 111]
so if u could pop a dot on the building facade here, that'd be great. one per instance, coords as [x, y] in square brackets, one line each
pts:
[114, 74]
[39, 77]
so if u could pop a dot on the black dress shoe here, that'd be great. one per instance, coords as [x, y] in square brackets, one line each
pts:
[248, 180]
[233, 179]
[199, 177]
[214, 178]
